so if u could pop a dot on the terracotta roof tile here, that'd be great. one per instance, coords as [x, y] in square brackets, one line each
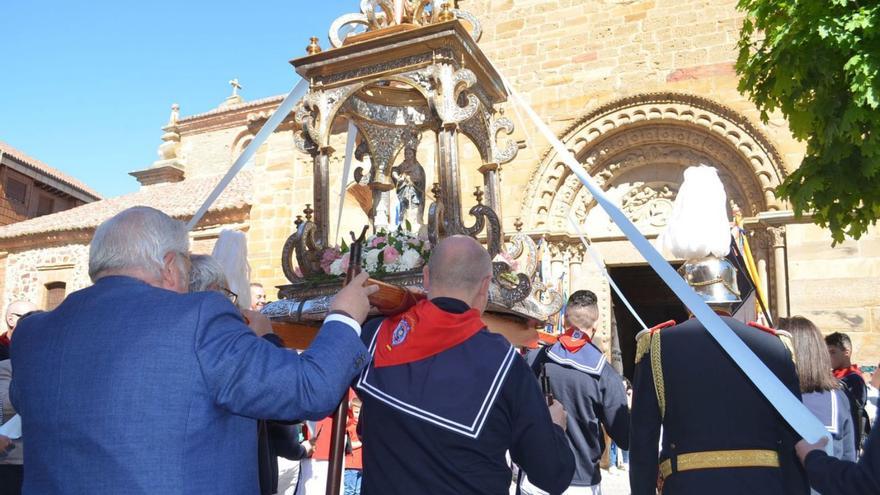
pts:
[39, 166]
[230, 108]
[178, 199]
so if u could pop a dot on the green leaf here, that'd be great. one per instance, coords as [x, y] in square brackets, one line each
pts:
[818, 64]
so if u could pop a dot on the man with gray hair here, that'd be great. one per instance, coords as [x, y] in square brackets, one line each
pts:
[134, 385]
[445, 399]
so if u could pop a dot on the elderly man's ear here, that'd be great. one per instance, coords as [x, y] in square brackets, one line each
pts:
[174, 276]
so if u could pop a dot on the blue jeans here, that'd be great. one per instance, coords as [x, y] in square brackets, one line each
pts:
[616, 451]
[352, 481]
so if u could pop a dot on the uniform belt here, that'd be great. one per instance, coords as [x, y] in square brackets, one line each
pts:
[717, 459]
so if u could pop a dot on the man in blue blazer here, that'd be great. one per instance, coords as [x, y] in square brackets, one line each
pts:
[134, 386]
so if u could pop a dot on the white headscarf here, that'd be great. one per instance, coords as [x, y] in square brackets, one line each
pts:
[230, 252]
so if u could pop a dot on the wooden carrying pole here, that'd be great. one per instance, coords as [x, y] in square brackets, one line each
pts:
[340, 416]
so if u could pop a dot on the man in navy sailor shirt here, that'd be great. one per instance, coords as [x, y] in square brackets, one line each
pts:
[444, 399]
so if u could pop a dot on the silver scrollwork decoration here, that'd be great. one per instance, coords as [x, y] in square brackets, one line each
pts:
[451, 84]
[485, 217]
[506, 152]
[307, 248]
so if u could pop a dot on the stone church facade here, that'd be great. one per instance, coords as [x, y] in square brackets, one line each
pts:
[637, 89]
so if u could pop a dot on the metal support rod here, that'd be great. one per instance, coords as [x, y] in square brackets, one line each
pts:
[447, 154]
[492, 185]
[320, 190]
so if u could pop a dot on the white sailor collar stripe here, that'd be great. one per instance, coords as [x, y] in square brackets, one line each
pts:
[472, 430]
[833, 427]
[592, 370]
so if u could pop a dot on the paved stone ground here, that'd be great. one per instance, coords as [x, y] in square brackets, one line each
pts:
[615, 482]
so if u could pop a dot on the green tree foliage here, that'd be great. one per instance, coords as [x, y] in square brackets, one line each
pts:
[817, 62]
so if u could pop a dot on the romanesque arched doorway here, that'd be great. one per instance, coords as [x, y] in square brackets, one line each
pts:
[637, 148]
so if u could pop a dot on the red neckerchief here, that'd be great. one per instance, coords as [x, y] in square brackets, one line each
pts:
[421, 332]
[839, 373]
[573, 340]
[4, 340]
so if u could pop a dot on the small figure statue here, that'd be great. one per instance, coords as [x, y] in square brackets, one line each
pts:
[409, 180]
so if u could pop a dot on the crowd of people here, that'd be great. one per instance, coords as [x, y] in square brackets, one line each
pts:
[164, 377]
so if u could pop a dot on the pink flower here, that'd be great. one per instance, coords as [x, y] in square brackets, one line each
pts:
[328, 257]
[377, 240]
[345, 260]
[390, 255]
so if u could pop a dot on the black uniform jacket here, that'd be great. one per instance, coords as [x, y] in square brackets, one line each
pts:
[704, 403]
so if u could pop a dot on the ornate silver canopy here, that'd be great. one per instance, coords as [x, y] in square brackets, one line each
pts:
[415, 71]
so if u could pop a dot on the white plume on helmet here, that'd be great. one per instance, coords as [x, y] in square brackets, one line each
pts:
[699, 225]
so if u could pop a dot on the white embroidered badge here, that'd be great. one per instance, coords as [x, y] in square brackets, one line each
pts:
[400, 333]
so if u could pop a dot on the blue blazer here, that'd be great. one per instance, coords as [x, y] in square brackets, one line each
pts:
[128, 388]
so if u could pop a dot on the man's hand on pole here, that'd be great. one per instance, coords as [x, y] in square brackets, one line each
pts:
[353, 299]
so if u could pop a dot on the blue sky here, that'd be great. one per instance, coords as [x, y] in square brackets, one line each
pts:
[87, 86]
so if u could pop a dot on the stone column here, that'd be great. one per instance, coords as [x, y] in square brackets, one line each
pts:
[777, 244]
[557, 262]
[575, 265]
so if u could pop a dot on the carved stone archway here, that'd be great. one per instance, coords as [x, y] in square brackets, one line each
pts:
[637, 149]
[640, 135]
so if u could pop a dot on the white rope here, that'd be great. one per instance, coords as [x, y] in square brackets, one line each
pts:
[268, 128]
[601, 266]
[346, 169]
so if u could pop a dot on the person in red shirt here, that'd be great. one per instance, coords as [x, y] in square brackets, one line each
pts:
[354, 467]
[840, 350]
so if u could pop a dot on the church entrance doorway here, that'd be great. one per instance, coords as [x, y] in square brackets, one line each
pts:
[652, 300]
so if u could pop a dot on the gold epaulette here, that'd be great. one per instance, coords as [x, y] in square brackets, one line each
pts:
[788, 342]
[657, 372]
[643, 339]
[782, 335]
[643, 343]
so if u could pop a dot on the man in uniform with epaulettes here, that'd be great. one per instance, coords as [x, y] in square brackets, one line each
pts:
[720, 435]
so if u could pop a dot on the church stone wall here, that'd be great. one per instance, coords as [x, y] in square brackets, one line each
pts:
[568, 57]
[209, 152]
[837, 289]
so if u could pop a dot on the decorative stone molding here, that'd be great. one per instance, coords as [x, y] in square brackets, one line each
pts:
[159, 175]
[777, 236]
[659, 129]
[169, 167]
[649, 203]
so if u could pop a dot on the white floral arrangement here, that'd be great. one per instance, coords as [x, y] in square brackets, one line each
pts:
[383, 253]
